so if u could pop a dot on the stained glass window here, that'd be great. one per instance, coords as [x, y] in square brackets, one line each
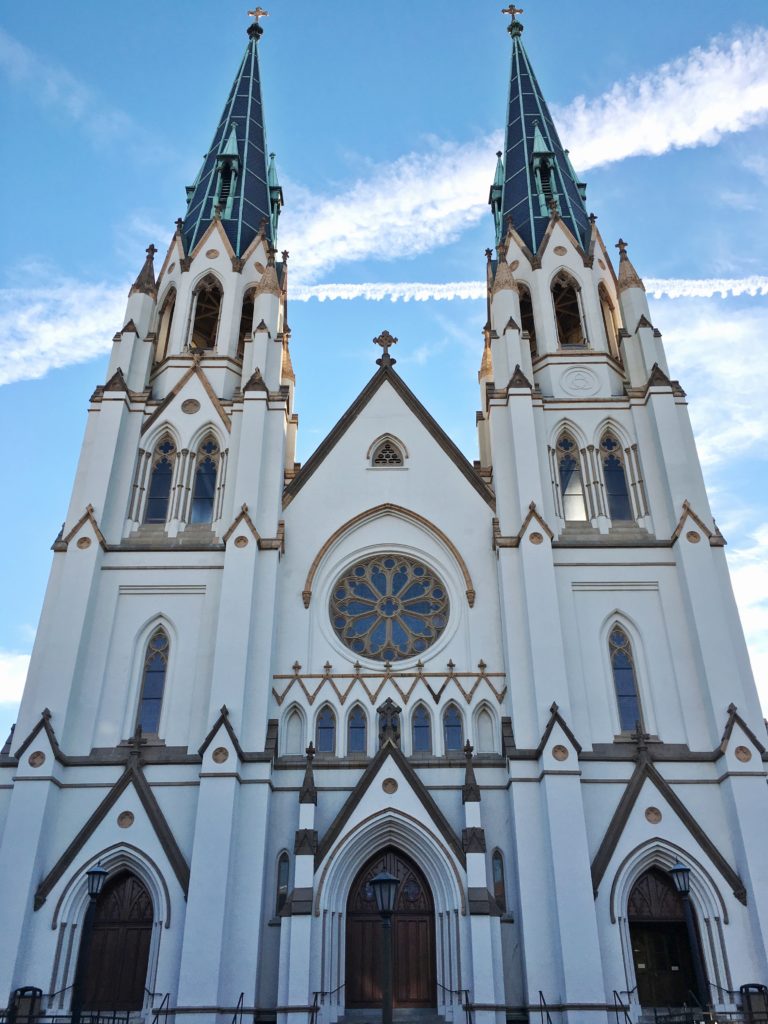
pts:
[453, 729]
[617, 493]
[204, 490]
[159, 495]
[421, 726]
[499, 888]
[389, 607]
[153, 682]
[624, 682]
[571, 485]
[325, 739]
[356, 732]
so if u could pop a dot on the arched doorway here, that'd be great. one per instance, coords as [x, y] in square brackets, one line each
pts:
[660, 946]
[115, 974]
[413, 937]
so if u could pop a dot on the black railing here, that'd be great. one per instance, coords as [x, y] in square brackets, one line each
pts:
[463, 994]
[318, 998]
[544, 1009]
[162, 1008]
[620, 1008]
[237, 1017]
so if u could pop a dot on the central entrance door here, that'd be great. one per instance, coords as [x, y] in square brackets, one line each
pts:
[412, 932]
[660, 946]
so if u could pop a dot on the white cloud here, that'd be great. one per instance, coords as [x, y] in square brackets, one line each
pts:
[67, 322]
[692, 101]
[58, 89]
[13, 674]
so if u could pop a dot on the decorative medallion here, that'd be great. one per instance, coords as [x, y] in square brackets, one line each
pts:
[536, 538]
[241, 542]
[220, 755]
[693, 537]
[190, 406]
[212, 254]
[125, 820]
[743, 754]
[560, 250]
[171, 268]
[601, 265]
[389, 786]
[560, 753]
[653, 815]
[514, 265]
[83, 543]
[580, 381]
[36, 759]
[389, 607]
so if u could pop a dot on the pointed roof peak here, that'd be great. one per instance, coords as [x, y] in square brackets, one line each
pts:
[628, 276]
[145, 282]
[537, 169]
[237, 183]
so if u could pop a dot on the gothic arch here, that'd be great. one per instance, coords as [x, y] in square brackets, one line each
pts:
[140, 640]
[452, 708]
[358, 706]
[630, 627]
[484, 708]
[611, 426]
[567, 426]
[324, 708]
[403, 513]
[201, 433]
[295, 711]
[383, 439]
[421, 705]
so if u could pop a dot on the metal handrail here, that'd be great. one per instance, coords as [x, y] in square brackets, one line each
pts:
[162, 1008]
[544, 1009]
[463, 994]
[239, 1010]
[618, 1005]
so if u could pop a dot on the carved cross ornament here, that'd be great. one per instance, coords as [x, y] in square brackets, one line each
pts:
[621, 245]
[386, 341]
[513, 11]
[257, 13]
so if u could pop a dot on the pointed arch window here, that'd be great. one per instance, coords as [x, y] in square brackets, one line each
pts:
[485, 732]
[246, 320]
[153, 682]
[325, 732]
[527, 321]
[204, 488]
[357, 732]
[387, 454]
[571, 482]
[565, 296]
[294, 733]
[207, 313]
[453, 729]
[614, 474]
[283, 870]
[164, 326]
[499, 885]
[624, 679]
[160, 480]
[606, 308]
[421, 731]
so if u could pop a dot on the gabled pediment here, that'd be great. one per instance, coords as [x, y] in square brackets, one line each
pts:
[387, 375]
[375, 797]
[195, 372]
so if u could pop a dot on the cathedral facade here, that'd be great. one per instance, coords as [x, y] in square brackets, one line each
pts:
[519, 684]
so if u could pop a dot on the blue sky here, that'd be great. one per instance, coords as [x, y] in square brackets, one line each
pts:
[385, 120]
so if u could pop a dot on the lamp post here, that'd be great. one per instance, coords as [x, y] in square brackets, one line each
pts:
[385, 888]
[681, 875]
[95, 877]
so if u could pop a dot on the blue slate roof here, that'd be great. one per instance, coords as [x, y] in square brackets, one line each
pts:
[532, 142]
[239, 151]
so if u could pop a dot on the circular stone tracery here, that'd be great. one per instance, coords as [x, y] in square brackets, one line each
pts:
[389, 607]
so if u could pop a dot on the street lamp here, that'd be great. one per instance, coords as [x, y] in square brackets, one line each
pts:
[681, 875]
[95, 877]
[385, 888]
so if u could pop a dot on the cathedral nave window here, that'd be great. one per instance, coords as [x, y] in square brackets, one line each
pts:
[357, 732]
[615, 476]
[283, 868]
[571, 482]
[204, 489]
[153, 683]
[453, 730]
[499, 886]
[624, 679]
[527, 322]
[159, 495]
[325, 732]
[206, 313]
[421, 731]
[565, 296]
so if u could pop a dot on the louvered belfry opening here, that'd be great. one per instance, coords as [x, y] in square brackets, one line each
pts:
[388, 454]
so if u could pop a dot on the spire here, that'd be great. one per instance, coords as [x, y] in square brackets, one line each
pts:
[628, 276]
[145, 282]
[539, 179]
[236, 182]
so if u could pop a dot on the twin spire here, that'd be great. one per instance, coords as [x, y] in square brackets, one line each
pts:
[534, 176]
[238, 180]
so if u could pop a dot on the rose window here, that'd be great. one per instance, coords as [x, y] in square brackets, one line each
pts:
[389, 607]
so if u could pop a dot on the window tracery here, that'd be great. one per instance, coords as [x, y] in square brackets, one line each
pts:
[421, 731]
[453, 729]
[153, 682]
[624, 679]
[571, 481]
[325, 731]
[357, 732]
[387, 454]
[161, 478]
[204, 488]
[614, 474]
[389, 607]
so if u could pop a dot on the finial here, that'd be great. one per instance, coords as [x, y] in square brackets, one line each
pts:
[257, 14]
[628, 276]
[145, 282]
[285, 254]
[515, 27]
[621, 245]
[386, 341]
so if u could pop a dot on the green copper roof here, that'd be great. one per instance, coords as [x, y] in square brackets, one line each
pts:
[537, 170]
[235, 175]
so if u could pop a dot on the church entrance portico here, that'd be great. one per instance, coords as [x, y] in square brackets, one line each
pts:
[412, 935]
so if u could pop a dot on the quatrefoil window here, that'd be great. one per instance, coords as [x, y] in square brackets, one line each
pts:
[389, 607]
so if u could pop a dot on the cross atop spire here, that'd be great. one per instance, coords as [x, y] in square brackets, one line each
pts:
[386, 341]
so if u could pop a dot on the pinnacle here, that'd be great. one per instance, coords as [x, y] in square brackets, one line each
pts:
[145, 282]
[628, 276]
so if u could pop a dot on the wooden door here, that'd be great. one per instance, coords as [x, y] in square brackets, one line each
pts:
[412, 935]
[116, 972]
[660, 946]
